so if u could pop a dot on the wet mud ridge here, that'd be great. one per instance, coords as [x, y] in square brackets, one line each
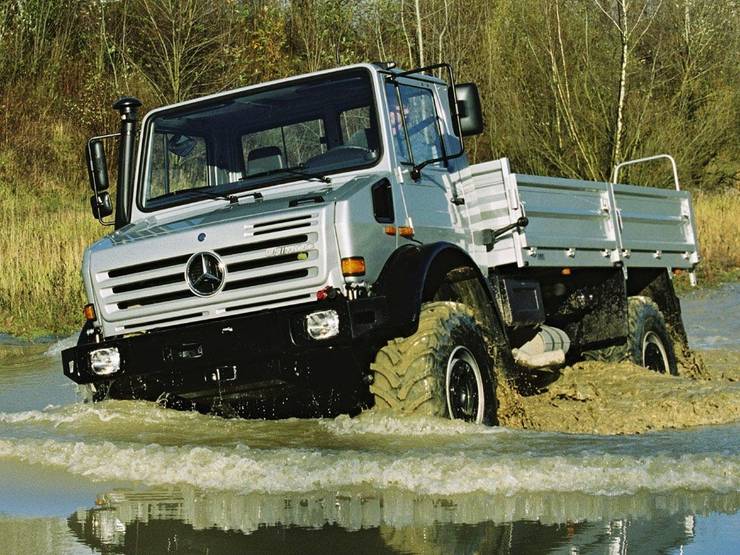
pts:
[608, 398]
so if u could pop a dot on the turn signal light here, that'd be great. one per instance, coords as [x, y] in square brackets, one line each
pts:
[566, 271]
[353, 266]
[89, 312]
[403, 231]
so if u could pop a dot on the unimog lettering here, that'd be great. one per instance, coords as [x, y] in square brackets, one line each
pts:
[289, 249]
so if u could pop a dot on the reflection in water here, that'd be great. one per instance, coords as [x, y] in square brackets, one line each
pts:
[185, 520]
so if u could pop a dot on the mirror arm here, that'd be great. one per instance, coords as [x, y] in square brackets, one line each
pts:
[416, 170]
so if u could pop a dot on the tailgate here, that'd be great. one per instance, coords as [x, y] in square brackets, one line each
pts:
[657, 227]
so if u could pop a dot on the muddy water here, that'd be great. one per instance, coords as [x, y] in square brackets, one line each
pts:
[131, 477]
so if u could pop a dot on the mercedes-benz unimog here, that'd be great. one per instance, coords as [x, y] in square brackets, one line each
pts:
[320, 244]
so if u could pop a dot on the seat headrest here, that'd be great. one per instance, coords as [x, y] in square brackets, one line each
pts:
[264, 159]
[263, 152]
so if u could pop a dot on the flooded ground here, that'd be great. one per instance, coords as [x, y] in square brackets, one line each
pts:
[130, 477]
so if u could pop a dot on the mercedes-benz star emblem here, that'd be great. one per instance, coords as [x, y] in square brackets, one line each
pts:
[205, 274]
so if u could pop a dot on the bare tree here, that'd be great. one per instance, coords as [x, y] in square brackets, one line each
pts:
[620, 14]
[178, 45]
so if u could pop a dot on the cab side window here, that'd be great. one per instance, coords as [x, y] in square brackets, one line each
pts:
[421, 140]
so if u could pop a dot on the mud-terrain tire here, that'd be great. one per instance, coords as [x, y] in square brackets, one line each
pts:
[648, 342]
[614, 353]
[443, 369]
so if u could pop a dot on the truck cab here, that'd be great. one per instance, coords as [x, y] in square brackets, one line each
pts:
[291, 196]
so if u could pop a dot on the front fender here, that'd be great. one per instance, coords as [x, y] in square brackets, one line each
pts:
[415, 274]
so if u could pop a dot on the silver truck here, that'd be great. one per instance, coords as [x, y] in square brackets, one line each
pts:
[320, 245]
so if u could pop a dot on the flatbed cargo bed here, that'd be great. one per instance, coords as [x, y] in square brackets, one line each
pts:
[577, 223]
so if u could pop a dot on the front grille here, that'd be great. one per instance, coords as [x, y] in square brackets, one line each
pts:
[275, 261]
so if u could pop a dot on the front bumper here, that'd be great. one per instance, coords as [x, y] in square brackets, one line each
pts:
[239, 356]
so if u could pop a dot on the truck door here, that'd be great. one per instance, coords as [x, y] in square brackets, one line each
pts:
[417, 130]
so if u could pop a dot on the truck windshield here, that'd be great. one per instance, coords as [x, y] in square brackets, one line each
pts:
[299, 130]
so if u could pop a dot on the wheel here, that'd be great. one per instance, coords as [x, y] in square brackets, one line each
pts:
[648, 342]
[444, 369]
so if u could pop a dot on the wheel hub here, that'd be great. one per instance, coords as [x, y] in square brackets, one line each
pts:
[654, 356]
[464, 387]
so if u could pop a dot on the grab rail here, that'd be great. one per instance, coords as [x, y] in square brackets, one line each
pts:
[615, 173]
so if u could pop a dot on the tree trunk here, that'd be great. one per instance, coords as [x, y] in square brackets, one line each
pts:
[624, 37]
[419, 38]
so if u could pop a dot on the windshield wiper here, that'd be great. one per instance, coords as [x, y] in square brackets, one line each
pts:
[196, 192]
[297, 170]
[233, 198]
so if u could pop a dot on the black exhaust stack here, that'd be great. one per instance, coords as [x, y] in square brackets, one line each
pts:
[127, 106]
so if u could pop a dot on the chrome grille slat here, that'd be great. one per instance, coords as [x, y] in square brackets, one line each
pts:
[275, 268]
[108, 282]
[286, 220]
[281, 228]
[263, 228]
[274, 235]
[145, 293]
[265, 243]
[145, 266]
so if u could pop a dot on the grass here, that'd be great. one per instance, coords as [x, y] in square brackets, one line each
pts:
[718, 228]
[45, 229]
[42, 248]
[46, 225]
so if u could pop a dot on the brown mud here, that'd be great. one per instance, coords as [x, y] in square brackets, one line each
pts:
[622, 398]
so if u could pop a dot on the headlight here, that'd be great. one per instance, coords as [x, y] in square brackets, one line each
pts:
[105, 361]
[322, 324]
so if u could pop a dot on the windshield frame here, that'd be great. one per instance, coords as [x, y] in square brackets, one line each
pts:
[259, 183]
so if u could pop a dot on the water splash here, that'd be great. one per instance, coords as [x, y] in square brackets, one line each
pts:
[243, 469]
[56, 348]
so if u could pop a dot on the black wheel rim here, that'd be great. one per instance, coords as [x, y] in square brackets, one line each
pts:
[463, 386]
[654, 356]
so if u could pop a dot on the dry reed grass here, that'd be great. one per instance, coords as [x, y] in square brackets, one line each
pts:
[41, 252]
[718, 229]
[44, 229]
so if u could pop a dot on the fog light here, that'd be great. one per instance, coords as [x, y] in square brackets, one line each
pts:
[105, 362]
[322, 324]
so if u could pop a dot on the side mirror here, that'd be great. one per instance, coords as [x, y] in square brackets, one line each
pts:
[101, 205]
[97, 167]
[469, 110]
